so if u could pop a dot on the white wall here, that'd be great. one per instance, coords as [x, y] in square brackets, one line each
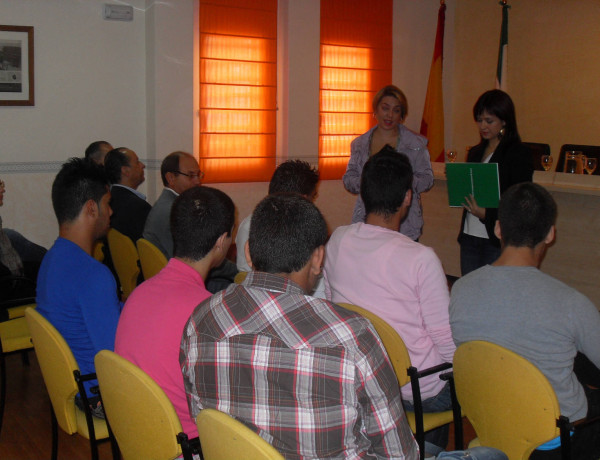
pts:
[89, 85]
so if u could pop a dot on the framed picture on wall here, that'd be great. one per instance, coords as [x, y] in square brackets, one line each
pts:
[16, 65]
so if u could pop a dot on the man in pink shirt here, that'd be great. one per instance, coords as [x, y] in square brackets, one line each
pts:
[374, 266]
[153, 318]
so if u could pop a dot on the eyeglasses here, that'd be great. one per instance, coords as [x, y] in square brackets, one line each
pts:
[196, 175]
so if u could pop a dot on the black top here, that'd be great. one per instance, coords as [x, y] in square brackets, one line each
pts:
[515, 165]
[129, 212]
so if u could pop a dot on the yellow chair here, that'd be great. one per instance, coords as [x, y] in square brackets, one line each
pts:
[509, 402]
[240, 277]
[224, 438]
[125, 260]
[419, 421]
[63, 381]
[140, 414]
[98, 251]
[152, 259]
[14, 336]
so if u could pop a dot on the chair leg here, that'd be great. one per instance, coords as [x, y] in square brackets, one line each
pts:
[94, 447]
[3, 384]
[54, 434]
[25, 357]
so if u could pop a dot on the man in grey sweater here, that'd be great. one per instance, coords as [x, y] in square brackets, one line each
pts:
[513, 304]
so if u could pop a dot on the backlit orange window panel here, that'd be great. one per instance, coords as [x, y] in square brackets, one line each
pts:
[356, 61]
[238, 86]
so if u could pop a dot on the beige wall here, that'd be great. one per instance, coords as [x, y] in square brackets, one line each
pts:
[552, 68]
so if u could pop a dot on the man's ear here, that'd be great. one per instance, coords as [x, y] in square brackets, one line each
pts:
[550, 236]
[316, 260]
[125, 171]
[170, 176]
[220, 243]
[408, 198]
[91, 208]
[498, 230]
[247, 254]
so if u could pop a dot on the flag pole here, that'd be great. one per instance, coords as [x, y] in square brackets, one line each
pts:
[502, 67]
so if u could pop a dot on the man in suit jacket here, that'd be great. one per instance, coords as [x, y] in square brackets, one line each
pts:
[179, 172]
[130, 208]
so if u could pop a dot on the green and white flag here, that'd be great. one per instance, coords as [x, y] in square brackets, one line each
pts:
[501, 69]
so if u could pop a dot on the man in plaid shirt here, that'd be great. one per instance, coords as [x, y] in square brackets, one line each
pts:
[308, 376]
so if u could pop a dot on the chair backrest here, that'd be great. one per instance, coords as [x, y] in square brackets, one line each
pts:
[152, 259]
[224, 438]
[240, 277]
[57, 364]
[140, 414]
[509, 402]
[393, 343]
[98, 251]
[537, 151]
[125, 260]
[590, 151]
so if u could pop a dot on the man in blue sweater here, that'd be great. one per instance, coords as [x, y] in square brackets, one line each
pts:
[75, 292]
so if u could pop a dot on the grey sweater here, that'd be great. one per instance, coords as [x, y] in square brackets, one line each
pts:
[535, 316]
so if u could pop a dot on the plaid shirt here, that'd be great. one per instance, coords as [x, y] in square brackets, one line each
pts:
[310, 377]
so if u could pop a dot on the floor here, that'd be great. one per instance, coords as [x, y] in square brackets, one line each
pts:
[26, 430]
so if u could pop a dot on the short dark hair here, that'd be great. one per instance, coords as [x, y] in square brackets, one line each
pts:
[113, 162]
[284, 232]
[498, 103]
[294, 176]
[395, 92]
[94, 149]
[171, 164]
[199, 216]
[526, 213]
[77, 182]
[386, 178]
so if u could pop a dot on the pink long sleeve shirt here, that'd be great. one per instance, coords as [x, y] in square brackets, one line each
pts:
[402, 282]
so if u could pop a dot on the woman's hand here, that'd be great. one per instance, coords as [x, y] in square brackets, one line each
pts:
[473, 208]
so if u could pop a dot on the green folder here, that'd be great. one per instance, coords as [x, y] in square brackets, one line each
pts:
[479, 179]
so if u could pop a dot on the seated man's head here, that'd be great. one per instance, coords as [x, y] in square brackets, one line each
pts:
[526, 216]
[287, 235]
[295, 176]
[201, 221]
[80, 197]
[386, 182]
[96, 151]
[124, 167]
[180, 171]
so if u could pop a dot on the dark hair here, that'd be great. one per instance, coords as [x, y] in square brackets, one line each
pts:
[294, 176]
[94, 149]
[497, 102]
[386, 178]
[199, 216]
[394, 91]
[284, 232]
[77, 182]
[526, 213]
[171, 164]
[113, 162]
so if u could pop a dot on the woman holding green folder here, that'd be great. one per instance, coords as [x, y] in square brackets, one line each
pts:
[494, 113]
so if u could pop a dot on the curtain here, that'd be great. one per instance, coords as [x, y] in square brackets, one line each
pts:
[356, 61]
[238, 86]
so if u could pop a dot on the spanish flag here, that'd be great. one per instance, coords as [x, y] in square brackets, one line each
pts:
[432, 124]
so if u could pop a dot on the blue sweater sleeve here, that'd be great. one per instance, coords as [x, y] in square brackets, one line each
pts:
[101, 309]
